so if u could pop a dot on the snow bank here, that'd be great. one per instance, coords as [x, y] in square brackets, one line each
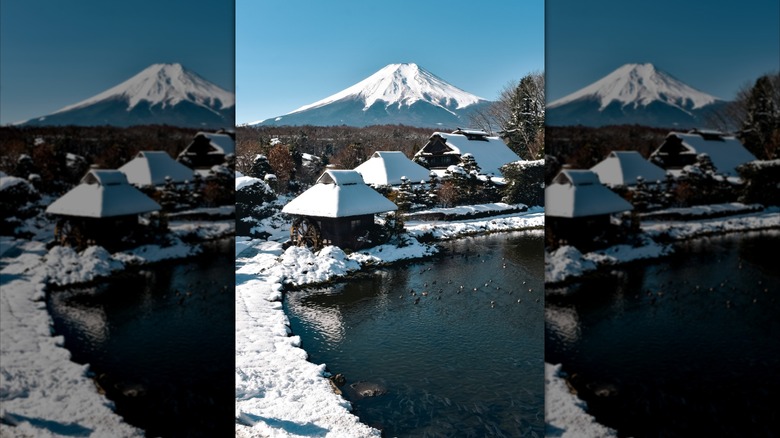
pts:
[533, 218]
[565, 415]
[43, 393]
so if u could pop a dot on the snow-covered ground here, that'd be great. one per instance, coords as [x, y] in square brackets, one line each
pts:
[565, 415]
[279, 393]
[42, 392]
[567, 262]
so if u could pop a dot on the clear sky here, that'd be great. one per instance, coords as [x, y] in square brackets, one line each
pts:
[54, 53]
[715, 47]
[292, 53]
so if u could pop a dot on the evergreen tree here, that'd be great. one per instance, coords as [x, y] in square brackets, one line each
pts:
[761, 127]
[260, 167]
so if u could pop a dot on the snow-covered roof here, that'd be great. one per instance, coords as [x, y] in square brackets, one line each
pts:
[103, 193]
[387, 167]
[725, 151]
[339, 193]
[151, 168]
[223, 143]
[623, 167]
[578, 193]
[490, 152]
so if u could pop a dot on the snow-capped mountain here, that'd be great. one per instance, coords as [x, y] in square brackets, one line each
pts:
[634, 93]
[159, 94]
[396, 94]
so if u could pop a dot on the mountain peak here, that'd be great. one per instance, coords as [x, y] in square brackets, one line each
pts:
[639, 85]
[164, 84]
[401, 85]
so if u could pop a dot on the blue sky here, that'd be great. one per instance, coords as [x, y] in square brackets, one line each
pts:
[55, 53]
[716, 47]
[292, 53]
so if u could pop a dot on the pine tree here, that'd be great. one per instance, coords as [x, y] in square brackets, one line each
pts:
[761, 127]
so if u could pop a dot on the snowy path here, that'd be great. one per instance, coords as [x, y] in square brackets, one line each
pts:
[279, 393]
[42, 392]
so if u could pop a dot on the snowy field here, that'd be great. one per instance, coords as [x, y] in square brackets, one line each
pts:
[565, 414]
[42, 392]
[567, 262]
[278, 392]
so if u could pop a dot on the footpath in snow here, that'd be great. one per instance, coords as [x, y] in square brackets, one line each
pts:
[42, 392]
[279, 393]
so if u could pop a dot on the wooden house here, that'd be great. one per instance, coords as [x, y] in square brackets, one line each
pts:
[680, 149]
[208, 149]
[387, 168]
[578, 207]
[150, 168]
[338, 210]
[103, 208]
[444, 150]
[622, 168]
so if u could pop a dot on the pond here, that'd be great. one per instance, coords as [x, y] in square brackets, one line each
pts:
[160, 342]
[448, 346]
[688, 345]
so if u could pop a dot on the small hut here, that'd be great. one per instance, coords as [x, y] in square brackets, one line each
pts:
[103, 208]
[578, 207]
[208, 149]
[338, 210]
[444, 150]
[150, 168]
[624, 167]
[388, 167]
[680, 149]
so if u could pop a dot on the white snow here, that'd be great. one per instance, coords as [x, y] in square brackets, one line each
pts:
[103, 193]
[623, 168]
[490, 153]
[726, 151]
[152, 167]
[402, 85]
[388, 167]
[579, 193]
[164, 84]
[278, 392]
[42, 392]
[339, 193]
[532, 219]
[639, 85]
[565, 415]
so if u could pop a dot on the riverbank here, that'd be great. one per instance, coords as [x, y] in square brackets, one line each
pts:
[658, 238]
[278, 391]
[44, 393]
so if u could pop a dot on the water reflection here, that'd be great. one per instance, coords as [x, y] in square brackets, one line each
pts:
[686, 345]
[456, 342]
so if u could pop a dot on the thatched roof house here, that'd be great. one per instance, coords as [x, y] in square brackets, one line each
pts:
[680, 149]
[102, 209]
[388, 167]
[208, 149]
[103, 194]
[444, 150]
[150, 168]
[624, 167]
[338, 210]
[578, 207]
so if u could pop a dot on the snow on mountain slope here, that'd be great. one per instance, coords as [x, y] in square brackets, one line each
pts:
[639, 85]
[402, 85]
[166, 85]
[396, 94]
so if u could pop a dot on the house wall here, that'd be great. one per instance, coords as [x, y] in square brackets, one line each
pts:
[345, 231]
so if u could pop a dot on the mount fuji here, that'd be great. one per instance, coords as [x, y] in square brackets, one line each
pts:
[634, 94]
[160, 94]
[396, 94]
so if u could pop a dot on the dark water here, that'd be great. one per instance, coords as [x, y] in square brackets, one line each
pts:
[687, 346]
[160, 342]
[451, 365]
